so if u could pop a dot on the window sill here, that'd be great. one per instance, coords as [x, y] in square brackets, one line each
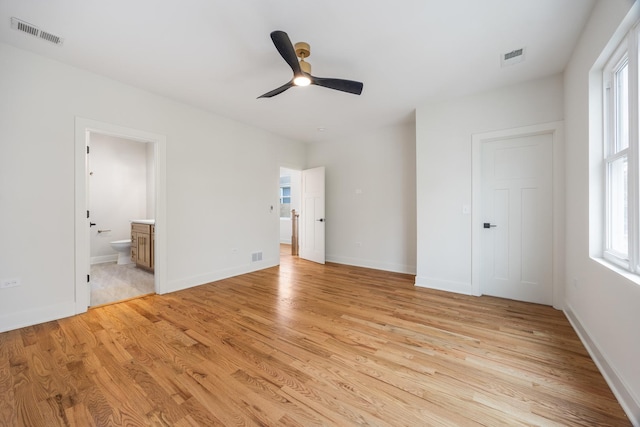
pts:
[621, 271]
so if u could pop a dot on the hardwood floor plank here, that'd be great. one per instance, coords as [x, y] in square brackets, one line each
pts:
[305, 344]
[79, 415]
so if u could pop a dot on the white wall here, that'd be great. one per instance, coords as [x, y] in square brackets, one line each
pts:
[443, 157]
[285, 230]
[603, 305]
[117, 191]
[206, 238]
[370, 198]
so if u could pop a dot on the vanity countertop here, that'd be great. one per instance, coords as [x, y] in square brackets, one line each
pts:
[144, 221]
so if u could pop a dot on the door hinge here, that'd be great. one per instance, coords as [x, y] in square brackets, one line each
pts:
[87, 214]
[88, 278]
[87, 149]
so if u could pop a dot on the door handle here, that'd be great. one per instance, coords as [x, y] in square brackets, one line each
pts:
[489, 225]
[321, 220]
[91, 224]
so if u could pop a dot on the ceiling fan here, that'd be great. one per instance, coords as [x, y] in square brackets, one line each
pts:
[302, 70]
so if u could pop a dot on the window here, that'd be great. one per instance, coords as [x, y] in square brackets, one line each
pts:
[621, 226]
[285, 197]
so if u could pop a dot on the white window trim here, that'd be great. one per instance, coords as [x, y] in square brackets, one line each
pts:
[628, 49]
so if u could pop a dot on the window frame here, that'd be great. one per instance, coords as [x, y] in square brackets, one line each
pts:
[282, 200]
[626, 54]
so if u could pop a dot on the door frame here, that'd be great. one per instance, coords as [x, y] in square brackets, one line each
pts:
[556, 129]
[83, 127]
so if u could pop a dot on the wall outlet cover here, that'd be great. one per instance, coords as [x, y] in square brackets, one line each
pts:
[9, 283]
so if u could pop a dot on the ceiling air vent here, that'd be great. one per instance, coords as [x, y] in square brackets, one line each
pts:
[25, 27]
[512, 57]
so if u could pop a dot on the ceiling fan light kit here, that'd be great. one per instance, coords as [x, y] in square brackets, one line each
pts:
[295, 57]
[301, 81]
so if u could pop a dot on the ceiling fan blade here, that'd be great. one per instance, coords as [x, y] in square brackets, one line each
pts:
[278, 90]
[283, 44]
[348, 86]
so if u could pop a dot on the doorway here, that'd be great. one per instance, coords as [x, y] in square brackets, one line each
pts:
[84, 129]
[289, 199]
[121, 184]
[304, 191]
[518, 211]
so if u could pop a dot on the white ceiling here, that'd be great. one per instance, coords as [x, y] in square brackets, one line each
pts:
[217, 54]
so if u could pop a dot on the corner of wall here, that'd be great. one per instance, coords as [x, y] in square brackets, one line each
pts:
[623, 393]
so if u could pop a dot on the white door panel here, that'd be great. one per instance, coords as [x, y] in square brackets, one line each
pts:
[312, 219]
[517, 202]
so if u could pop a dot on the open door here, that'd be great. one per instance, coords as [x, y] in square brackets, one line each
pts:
[312, 220]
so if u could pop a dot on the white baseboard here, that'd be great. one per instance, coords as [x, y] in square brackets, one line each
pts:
[357, 262]
[444, 285]
[36, 316]
[626, 398]
[103, 258]
[201, 279]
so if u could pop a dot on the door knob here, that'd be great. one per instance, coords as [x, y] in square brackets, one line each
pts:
[489, 225]
[321, 219]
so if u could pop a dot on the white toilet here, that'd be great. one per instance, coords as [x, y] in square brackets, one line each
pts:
[123, 247]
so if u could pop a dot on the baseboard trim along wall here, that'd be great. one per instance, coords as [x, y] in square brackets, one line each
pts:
[630, 405]
[444, 285]
[375, 265]
[37, 316]
[202, 279]
[104, 258]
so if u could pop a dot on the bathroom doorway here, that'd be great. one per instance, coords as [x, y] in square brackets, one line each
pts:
[89, 218]
[121, 184]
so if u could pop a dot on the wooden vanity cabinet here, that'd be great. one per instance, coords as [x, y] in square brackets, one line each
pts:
[142, 240]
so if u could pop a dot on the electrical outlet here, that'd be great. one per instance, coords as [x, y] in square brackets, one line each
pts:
[9, 283]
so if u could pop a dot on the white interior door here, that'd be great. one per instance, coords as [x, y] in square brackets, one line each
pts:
[312, 220]
[517, 215]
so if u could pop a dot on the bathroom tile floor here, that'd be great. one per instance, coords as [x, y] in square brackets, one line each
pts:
[111, 282]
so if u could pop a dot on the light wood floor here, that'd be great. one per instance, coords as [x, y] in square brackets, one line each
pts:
[301, 345]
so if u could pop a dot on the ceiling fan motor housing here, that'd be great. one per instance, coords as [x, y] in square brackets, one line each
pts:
[303, 50]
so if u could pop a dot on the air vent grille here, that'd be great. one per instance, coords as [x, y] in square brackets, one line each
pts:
[23, 26]
[50, 37]
[513, 57]
[512, 54]
[30, 29]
